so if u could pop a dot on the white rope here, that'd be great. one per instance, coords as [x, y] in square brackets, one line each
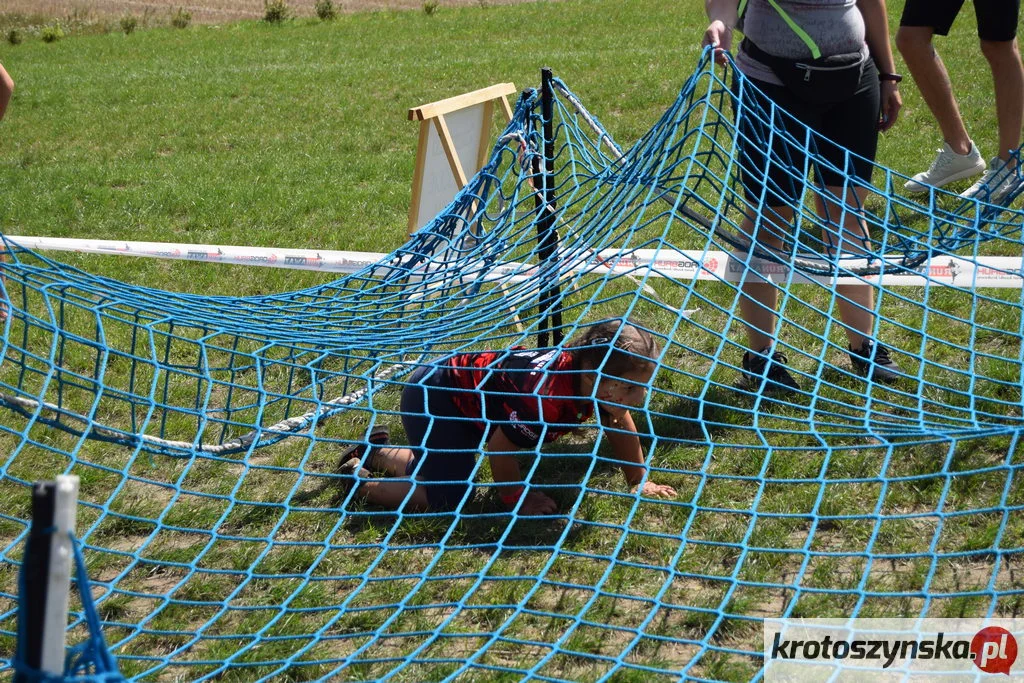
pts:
[285, 427]
[272, 257]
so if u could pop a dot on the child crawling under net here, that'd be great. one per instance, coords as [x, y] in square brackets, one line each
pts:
[528, 396]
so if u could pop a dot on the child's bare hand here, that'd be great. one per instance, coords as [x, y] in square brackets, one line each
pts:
[536, 503]
[652, 490]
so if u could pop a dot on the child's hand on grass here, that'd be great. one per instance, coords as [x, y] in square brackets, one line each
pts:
[652, 490]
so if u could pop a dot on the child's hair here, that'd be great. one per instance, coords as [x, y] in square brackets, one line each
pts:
[628, 348]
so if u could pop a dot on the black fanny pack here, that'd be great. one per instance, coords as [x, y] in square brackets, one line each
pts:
[825, 80]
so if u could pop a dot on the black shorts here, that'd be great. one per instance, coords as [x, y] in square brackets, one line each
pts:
[445, 445]
[997, 19]
[780, 177]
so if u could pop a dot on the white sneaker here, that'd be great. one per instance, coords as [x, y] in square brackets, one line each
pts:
[999, 180]
[947, 168]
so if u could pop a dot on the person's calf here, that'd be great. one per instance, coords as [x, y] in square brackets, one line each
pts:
[389, 460]
[393, 494]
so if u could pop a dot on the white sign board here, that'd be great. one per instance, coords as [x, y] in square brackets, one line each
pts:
[453, 146]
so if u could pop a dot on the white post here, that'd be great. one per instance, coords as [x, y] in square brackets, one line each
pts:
[46, 579]
[65, 509]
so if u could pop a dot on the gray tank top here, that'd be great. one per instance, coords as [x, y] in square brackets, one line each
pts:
[835, 25]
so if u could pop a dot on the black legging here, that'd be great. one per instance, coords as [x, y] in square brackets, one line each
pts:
[445, 442]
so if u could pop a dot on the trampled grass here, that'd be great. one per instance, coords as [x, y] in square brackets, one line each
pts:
[296, 135]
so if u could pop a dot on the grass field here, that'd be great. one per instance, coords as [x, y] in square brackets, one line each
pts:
[296, 135]
[97, 16]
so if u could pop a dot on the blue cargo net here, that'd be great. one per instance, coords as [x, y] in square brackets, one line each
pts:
[223, 542]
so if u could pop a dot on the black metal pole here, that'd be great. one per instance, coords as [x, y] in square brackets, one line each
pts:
[538, 200]
[34, 578]
[547, 235]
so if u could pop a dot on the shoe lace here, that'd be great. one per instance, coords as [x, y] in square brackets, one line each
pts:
[996, 183]
[754, 364]
[985, 178]
[777, 365]
[942, 160]
[1005, 176]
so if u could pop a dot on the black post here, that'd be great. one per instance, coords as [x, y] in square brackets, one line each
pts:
[538, 198]
[547, 236]
[35, 578]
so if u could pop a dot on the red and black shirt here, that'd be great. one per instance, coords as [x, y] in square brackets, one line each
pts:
[523, 390]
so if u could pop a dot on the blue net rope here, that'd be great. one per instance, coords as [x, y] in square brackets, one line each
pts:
[89, 660]
[222, 542]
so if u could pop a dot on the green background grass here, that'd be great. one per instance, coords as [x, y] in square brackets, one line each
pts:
[296, 135]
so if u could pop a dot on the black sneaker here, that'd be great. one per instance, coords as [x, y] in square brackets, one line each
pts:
[378, 436]
[768, 370]
[873, 359]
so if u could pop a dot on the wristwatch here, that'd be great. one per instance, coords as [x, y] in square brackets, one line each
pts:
[895, 78]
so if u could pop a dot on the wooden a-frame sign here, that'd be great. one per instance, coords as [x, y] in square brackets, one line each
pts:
[453, 145]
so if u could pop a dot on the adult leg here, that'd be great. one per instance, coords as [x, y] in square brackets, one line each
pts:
[848, 149]
[958, 158]
[997, 25]
[997, 31]
[856, 303]
[932, 79]
[850, 236]
[1008, 77]
[759, 298]
[770, 174]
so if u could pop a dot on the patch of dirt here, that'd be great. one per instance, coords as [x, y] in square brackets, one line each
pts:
[207, 11]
